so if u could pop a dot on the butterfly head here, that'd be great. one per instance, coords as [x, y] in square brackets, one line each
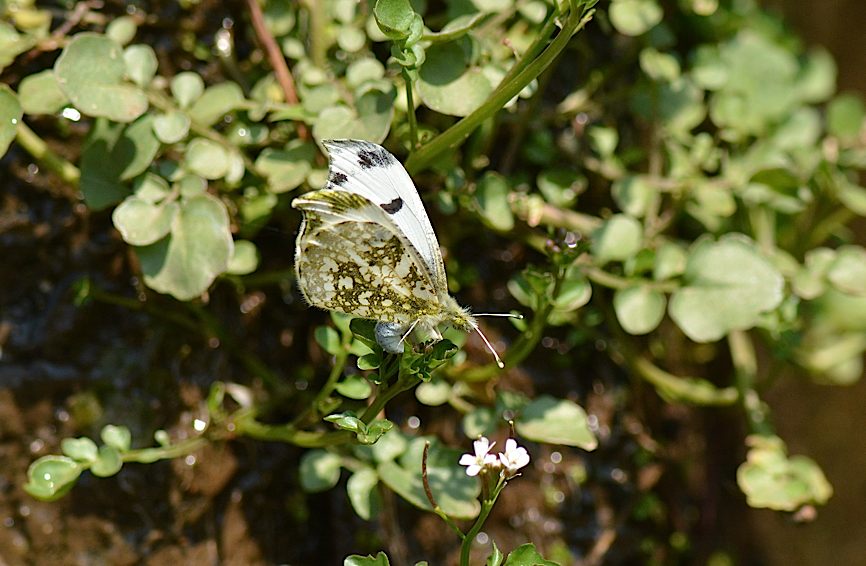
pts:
[461, 319]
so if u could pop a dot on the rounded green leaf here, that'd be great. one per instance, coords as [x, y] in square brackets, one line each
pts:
[40, 94]
[117, 437]
[633, 195]
[186, 88]
[141, 64]
[354, 387]
[728, 285]
[186, 262]
[555, 421]
[171, 127]
[370, 120]
[287, 168]
[492, 197]
[845, 116]
[381, 559]
[618, 239]
[91, 72]
[206, 158]
[670, 261]
[320, 470]
[434, 392]
[848, 272]
[215, 103]
[635, 17]
[773, 480]
[51, 477]
[80, 449]
[10, 115]
[454, 491]
[122, 29]
[108, 463]
[245, 258]
[449, 84]
[361, 488]
[394, 17]
[141, 223]
[639, 309]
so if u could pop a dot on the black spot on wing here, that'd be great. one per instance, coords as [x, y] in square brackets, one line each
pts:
[393, 207]
[338, 178]
[369, 158]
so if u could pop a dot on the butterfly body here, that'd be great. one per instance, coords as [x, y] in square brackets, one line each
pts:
[366, 248]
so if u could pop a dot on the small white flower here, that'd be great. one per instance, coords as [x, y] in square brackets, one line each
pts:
[481, 459]
[514, 457]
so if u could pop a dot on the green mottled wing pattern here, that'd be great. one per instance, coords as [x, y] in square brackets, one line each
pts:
[352, 258]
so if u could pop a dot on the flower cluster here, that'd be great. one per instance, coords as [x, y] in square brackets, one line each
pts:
[508, 462]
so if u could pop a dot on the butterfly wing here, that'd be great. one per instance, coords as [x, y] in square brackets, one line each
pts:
[369, 170]
[351, 257]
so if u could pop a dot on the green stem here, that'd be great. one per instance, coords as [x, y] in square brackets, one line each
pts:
[36, 146]
[403, 383]
[244, 423]
[746, 371]
[515, 80]
[410, 110]
[486, 507]
[149, 455]
[684, 389]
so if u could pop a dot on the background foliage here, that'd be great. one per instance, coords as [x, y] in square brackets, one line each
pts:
[669, 196]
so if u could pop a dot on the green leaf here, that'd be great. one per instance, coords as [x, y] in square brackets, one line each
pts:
[380, 559]
[619, 238]
[215, 103]
[91, 72]
[245, 258]
[186, 88]
[115, 153]
[434, 392]
[639, 309]
[728, 285]
[633, 195]
[287, 168]
[560, 187]
[492, 197]
[50, 477]
[454, 491]
[171, 127]
[79, 449]
[496, 557]
[848, 271]
[10, 115]
[375, 431]
[206, 158]
[773, 480]
[347, 421]
[555, 421]
[319, 470]
[527, 555]
[670, 261]
[185, 263]
[141, 223]
[141, 64]
[448, 83]
[117, 437]
[40, 94]
[328, 339]
[122, 30]
[108, 463]
[354, 387]
[370, 119]
[363, 495]
[845, 115]
[635, 17]
[394, 17]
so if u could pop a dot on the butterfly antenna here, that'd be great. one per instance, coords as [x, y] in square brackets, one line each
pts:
[490, 347]
[501, 314]
[408, 332]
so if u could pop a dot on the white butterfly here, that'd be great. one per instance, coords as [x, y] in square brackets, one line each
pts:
[366, 248]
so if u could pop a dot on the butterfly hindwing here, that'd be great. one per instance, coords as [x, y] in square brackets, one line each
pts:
[351, 257]
[369, 170]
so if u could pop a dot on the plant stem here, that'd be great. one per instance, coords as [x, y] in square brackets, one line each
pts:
[746, 372]
[515, 80]
[36, 146]
[410, 110]
[486, 507]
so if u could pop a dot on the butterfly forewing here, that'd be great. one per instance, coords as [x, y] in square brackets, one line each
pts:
[352, 257]
[369, 170]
